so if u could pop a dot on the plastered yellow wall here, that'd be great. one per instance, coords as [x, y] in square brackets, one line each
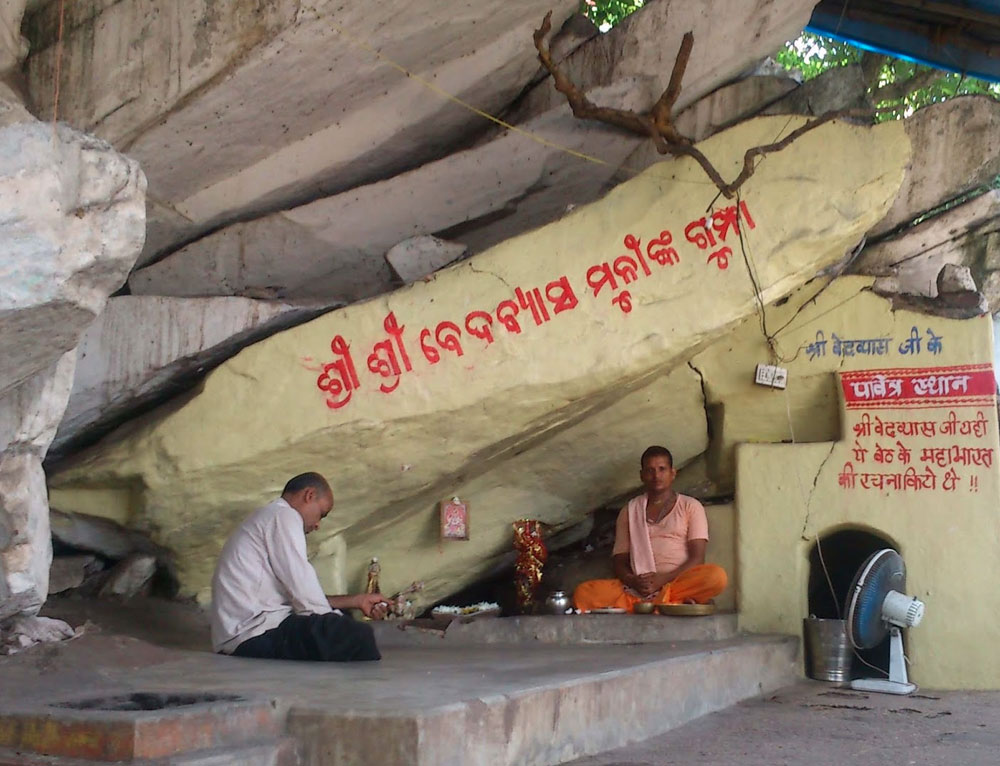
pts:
[807, 411]
[520, 426]
[788, 494]
[721, 550]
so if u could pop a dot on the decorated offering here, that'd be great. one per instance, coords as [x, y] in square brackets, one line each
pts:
[454, 520]
[400, 607]
[460, 611]
[374, 569]
[448, 613]
[531, 555]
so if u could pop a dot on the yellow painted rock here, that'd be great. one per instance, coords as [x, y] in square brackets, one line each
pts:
[526, 380]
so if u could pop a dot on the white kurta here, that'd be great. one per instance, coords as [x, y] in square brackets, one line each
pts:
[263, 576]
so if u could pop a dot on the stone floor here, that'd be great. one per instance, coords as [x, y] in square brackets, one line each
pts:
[537, 698]
[812, 724]
[552, 691]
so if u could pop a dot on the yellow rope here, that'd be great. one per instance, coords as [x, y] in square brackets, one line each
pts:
[465, 104]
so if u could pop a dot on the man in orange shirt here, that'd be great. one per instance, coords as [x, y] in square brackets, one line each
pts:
[659, 552]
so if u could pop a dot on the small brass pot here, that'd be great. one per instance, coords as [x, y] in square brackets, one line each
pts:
[644, 607]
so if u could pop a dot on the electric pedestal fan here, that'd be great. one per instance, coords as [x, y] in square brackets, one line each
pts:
[876, 605]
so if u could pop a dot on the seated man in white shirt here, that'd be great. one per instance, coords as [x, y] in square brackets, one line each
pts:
[266, 598]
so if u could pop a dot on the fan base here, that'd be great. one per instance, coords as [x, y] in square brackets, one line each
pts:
[883, 686]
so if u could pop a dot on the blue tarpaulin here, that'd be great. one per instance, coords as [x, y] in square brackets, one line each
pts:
[959, 36]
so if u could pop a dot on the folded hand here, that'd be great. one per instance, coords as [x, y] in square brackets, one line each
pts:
[646, 583]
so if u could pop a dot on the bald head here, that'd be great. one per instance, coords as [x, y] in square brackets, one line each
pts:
[310, 495]
[305, 480]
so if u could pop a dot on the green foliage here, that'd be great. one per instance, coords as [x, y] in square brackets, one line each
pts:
[606, 13]
[814, 54]
[948, 85]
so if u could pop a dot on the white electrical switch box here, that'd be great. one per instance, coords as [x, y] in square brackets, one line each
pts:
[771, 375]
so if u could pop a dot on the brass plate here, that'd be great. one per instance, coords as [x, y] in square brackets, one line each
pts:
[685, 610]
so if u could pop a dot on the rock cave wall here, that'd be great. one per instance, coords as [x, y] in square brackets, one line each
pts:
[258, 219]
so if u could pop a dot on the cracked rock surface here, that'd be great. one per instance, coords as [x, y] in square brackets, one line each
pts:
[73, 226]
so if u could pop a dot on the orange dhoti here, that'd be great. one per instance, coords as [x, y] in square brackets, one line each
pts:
[699, 584]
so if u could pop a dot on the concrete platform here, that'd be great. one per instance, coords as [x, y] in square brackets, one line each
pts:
[444, 703]
[505, 705]
[571, 629]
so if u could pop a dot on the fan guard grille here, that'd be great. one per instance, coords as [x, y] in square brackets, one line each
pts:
[882, 572]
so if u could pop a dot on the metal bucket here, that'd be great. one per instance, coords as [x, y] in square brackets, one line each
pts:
[828, 652]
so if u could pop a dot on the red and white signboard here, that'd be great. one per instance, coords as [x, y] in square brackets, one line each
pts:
[949, 451]
[964, 385]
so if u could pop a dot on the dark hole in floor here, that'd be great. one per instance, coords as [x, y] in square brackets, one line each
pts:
[146, 701]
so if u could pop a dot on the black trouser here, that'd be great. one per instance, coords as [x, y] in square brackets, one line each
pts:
[321, 637]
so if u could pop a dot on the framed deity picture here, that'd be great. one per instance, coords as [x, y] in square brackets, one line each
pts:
[454, 520]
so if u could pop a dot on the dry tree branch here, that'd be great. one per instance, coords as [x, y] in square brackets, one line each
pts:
[777, 146]
[582, 107]
[658, 123]
[664, 106]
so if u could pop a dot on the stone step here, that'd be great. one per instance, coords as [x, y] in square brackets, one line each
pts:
[10, 757]
[515, 717]
[283, 752]
[570, 629]
[140, 727]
